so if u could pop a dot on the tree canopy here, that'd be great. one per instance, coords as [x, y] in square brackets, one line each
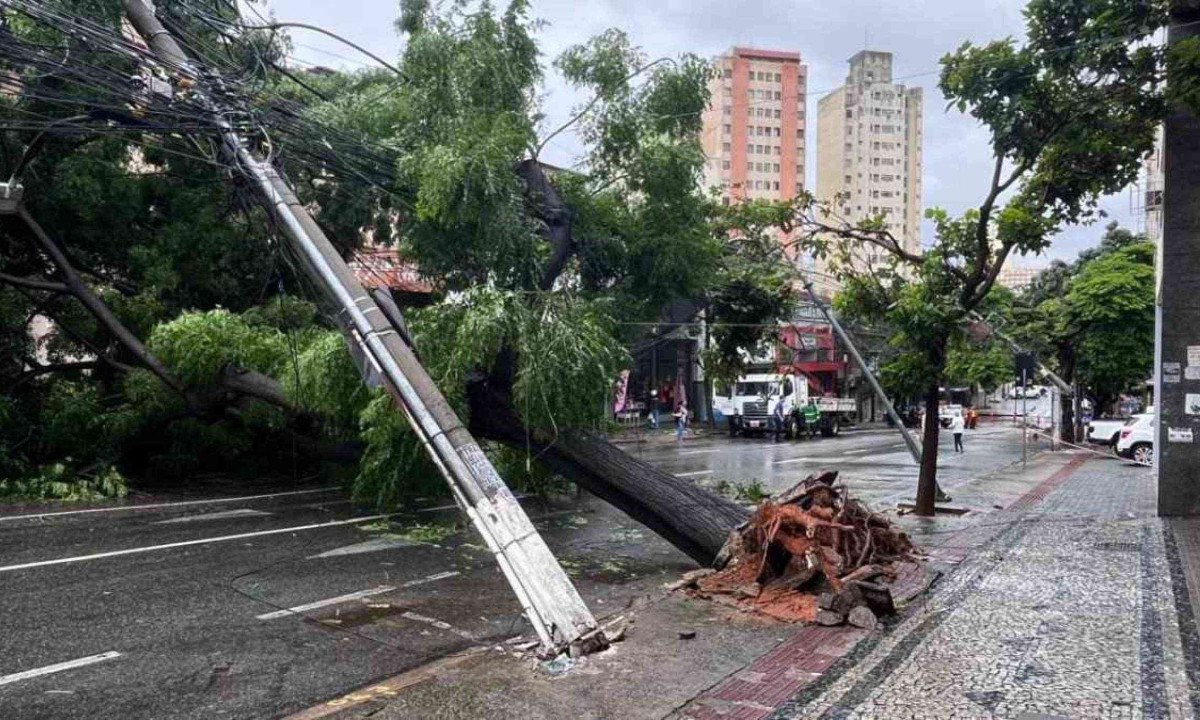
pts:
[540, 276]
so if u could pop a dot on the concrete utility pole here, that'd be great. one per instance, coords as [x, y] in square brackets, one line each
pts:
[1177, 348]
[914, 448]
[546, 594]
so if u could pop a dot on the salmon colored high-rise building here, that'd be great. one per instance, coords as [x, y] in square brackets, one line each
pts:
[754, 128]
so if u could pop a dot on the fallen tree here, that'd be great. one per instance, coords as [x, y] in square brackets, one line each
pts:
[690, 517]
[813, 553]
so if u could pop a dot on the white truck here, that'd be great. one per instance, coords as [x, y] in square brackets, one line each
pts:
[753, 399]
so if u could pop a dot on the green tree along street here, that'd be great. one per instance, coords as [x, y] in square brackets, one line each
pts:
[541, 276]
[1070, 113]
[531, 268]
[1093, 319]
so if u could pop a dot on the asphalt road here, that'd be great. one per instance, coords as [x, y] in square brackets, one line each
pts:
[252, 607]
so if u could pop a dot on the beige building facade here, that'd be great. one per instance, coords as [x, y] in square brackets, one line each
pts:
[869, 147]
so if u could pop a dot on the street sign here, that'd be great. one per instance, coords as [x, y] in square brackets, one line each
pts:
[1026, 363]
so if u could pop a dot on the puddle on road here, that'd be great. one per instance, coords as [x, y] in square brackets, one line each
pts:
[355, 616]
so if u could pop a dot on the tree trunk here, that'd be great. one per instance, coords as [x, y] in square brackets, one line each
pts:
[688, 516]
[1066, 365]
[927, 487]
[99, 310]
[1066, 404]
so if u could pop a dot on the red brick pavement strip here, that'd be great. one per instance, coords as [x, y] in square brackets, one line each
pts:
[756, 691]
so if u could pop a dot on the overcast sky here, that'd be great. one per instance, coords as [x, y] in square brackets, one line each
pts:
[825, 32]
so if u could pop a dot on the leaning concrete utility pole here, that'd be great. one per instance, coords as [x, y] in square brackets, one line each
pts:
[549, 599]
[1177, 347]
[914, 448]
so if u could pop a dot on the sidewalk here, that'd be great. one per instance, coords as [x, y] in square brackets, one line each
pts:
[1058, 597]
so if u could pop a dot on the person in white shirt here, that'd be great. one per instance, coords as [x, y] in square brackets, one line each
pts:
[957, 425]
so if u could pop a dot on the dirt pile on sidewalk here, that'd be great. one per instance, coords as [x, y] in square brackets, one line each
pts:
[812, 554]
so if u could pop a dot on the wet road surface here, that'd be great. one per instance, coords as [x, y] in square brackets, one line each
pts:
[261, 605]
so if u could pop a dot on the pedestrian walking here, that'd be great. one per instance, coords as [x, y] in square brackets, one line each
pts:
[957, 425]
[681, 414]
[778, 426]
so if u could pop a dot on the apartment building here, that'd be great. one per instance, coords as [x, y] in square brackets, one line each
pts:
[754, 128]
[869, 137]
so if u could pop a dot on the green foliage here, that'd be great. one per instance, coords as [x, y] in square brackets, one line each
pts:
[1093, 319]
[199, 346]
[324, 380]
[985, 365]
[567, 352]
[1110, 308]
[59, 482]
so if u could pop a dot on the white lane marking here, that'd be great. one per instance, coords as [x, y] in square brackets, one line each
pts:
[698, 452]
[325, 603]
[859, 451]
[810, 458]
[59, 667]
[224, 515]
[353, 596]
[694, 473]
[439, 624]
[185, 543]
[152, 506]
[431, 578]
[376, 545]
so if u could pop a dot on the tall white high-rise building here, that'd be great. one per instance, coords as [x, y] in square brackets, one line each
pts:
[869, 138]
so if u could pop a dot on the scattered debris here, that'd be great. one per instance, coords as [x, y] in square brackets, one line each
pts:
[813, 554]
[687, 634]
[862, 617]
[557, 666]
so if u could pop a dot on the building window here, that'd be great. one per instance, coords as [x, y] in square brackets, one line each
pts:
[727, 111]
[777, 114]
[777, 150]
[778, 77]
[726, 147]
[728, 73]
[778, 95]
[775, 185]
[775, 167]
[728, 129]
[749, 167]
[751, 76]
[776, 132]
[749, 148]
[724, 164]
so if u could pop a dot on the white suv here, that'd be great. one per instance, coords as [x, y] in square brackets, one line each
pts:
[1137, 438]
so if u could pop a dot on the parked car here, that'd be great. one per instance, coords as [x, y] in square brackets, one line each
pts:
[1137, 438]
[1030, 392]
[1105, 432]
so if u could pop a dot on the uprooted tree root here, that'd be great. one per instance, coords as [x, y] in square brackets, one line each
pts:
[812, 554]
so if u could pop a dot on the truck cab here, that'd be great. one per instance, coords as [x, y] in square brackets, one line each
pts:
[754, 398]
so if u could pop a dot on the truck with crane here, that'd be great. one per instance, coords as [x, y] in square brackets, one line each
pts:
[782, 404]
